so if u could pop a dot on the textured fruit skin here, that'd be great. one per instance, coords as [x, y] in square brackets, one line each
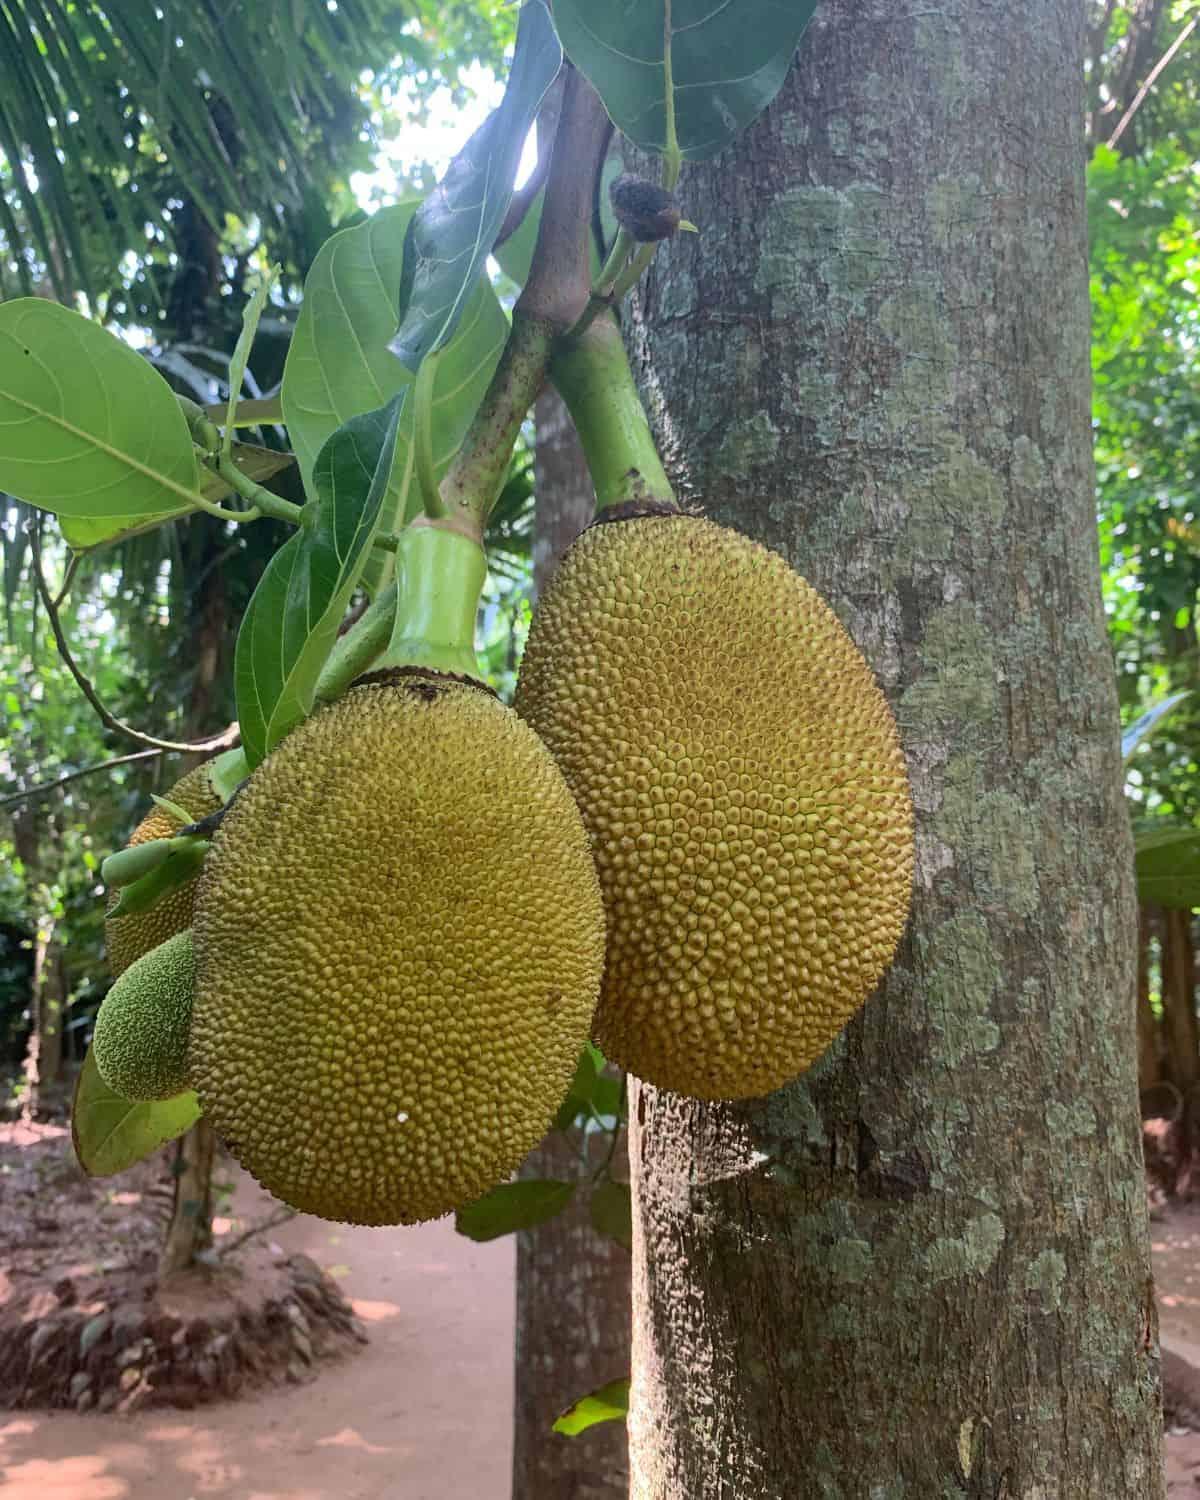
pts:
[127, 938]
[141, 1036]
[400, 937]
[741, 776]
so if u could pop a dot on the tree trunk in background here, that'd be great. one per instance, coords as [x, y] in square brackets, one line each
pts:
[190, 1227]
[1179, 1001]
[1149, 1056]
[42, 1066]
[573, 1295]
[921, 1271]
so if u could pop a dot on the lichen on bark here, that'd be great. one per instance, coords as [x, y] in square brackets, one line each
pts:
[922, 1270]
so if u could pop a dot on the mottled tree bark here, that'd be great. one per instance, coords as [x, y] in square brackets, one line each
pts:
[573, 1296]
[922, 1270]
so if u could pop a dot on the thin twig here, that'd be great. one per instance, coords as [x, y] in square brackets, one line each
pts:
[1151, 79]
[273, 1222]
[52, 786]
[68, 576]
[109, 720]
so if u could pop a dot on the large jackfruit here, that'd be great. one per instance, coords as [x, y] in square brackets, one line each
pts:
[741, 776]
[400, 937]
[128, 937]
[141, 1035]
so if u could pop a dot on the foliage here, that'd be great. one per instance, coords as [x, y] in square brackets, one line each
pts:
[120, 121]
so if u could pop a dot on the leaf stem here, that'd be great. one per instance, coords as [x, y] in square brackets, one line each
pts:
[431, 500]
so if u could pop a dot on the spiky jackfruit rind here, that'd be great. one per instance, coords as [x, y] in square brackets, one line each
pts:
[141, 1035]
[127, 938]
[400, 938]
[741, 776]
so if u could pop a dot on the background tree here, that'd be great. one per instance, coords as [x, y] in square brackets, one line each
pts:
[873, 1280]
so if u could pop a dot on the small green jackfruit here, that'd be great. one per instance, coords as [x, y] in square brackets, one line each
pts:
[400, 938]
[741, 776]
[127, 938]
[141, 1035]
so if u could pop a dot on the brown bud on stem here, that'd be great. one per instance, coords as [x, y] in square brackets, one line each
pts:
[646, 210]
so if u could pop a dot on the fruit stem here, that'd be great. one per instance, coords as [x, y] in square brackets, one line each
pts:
[593, 377]
[357, 650]
[440, 573]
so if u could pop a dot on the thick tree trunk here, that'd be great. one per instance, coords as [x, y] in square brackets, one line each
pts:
[573, 1296]
[922, 1270]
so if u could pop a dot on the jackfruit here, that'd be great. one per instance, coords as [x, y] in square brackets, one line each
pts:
[141, 1034]
[128, 938]
[400, 937]
[742, 779]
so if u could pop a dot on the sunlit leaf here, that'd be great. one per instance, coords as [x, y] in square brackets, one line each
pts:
[1147, 723]
[513, 1206]
[110, 1133]
[292, 620]
[608, 1404]
[338, 365]
[727, 63]
[452, 233]
[88, 428]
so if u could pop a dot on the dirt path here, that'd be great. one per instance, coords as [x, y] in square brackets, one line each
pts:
[423, 1413]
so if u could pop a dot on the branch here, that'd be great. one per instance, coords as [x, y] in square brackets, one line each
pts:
[273, 1222]
[109, 720]
[1151, 79]
[50, 786]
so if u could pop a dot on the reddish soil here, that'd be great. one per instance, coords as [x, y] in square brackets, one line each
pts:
[423, 1411]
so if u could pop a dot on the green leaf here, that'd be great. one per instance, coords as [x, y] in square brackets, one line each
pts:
[1167, 863]
[338, 365]
[110, 1133]
[578, 1096]
[88, 428]
[452, 233]
[1147, 723]
[513, 1206]
[608, 1404]
[611, 1211]
[727, 63]
[293, 617]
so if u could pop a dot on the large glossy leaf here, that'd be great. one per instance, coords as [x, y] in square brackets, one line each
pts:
[338, 365]
[727, 63]
[608, 1404]
[292, 620]
[1167, 862]
[1145, 725]
[513, 1206]
[88, 428]
[110, 1133]
[451, 235]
